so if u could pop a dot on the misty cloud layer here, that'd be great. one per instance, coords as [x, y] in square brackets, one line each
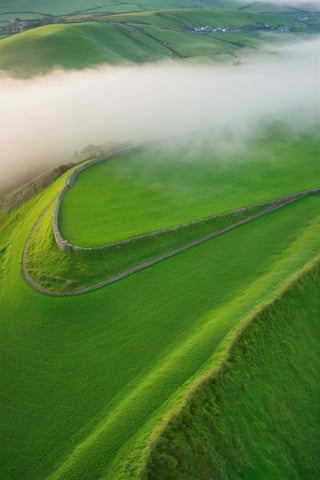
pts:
[45, 119]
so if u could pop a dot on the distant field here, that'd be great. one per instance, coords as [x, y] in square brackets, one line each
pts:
[45, 10]
[151, 190]
[140, 37]
[72, 7]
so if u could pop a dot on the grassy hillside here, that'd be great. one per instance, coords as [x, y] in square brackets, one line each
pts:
[150, 190]
[88, 379]
[58, 271]
[138, 38]
[258, 417]
[71, 46]
[72, 7]
[35, 12]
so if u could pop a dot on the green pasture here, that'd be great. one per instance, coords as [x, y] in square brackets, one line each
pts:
[70, 271]
[154, 189]
[60, 8]
[141, 37]
[259, 417]
[87, 379]
[72, 46]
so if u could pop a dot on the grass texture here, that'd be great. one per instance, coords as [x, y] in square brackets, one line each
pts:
[59, 271]
[258, 417]
[86, 380]
[151, 190]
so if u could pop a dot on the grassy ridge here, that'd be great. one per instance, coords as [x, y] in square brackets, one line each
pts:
[259, 417]
[103, 364]
[69, 7]
[151, 190]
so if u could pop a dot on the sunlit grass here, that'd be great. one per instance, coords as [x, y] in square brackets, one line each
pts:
[150, 190]
[90, 371]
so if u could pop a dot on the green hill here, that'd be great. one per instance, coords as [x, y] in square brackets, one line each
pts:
[138, 380]
[71, 46]
[88, 380]
[137, 38]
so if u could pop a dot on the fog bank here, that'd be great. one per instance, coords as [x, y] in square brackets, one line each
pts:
[45, 119]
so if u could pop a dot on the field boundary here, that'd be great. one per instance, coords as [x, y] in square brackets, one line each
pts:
[62, 243]
[65, 245]
[275, 205]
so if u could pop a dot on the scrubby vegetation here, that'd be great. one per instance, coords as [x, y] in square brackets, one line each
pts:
[65, 271]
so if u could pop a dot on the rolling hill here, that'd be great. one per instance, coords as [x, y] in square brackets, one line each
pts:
[142, 344]
[144, 37]
[203, 363]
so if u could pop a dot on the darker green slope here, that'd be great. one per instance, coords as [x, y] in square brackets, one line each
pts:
[260, 418]
[70, 46]
[137, 38]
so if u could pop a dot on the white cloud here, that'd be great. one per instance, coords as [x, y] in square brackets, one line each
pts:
[45, 119]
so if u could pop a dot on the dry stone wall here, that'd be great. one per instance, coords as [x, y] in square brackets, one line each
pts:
[274, 205]
[64, 245]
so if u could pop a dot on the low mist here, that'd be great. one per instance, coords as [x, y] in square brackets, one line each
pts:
[45, 119]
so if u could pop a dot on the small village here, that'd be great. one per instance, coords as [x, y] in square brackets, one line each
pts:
[306, 22]
[247, 28]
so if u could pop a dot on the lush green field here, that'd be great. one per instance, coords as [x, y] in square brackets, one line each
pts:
[258, 418]
[70, 8]
[66, 10]
[72, 271]
[87, 379]
[143, 192]
[139, 38]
